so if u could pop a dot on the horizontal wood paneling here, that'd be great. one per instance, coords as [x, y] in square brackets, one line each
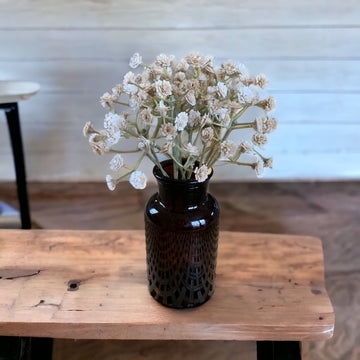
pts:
[176, 14]
[63, 109]
[310, 50]
[84, 76]
[338, 43]
[55, 147]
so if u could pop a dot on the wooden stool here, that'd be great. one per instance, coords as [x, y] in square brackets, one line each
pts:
[92, 285]
[11, 92]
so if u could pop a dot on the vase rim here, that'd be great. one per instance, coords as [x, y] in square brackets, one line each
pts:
[159, 176]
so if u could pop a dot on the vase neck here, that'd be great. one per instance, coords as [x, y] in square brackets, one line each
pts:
[181, 195]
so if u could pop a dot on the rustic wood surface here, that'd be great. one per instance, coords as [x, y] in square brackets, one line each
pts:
[262, 282]
[326, 210]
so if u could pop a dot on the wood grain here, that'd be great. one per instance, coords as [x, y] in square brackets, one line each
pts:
[95, 76]
[262, 281]
[328, 210]
[54, 148]
[159, 350]
[254, 44]
[178, 14]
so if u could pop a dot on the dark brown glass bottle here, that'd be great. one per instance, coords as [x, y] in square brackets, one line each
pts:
[182, 231]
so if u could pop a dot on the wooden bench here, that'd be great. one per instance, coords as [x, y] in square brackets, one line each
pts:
[92, 285]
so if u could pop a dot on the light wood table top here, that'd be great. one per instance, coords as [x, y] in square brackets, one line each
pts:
[268, 287]
[14, 91]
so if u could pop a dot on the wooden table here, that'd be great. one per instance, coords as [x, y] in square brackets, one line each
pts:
[92, 285]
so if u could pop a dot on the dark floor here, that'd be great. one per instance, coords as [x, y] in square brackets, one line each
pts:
[330, 211]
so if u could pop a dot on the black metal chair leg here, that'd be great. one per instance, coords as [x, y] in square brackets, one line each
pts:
[278, 350]
[12, 115]
[25, 348]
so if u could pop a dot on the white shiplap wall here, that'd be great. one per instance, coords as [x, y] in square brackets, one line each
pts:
[76, 50]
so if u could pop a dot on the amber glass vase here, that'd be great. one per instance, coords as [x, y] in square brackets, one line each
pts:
[182, 231]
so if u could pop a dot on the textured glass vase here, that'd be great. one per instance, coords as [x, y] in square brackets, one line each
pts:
[182, 231]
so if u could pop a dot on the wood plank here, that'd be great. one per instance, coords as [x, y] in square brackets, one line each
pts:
[332, 44]
[328, 210]
[160, 350]
[260, 288]
[184, 14]
[81, 76]
[56, 149]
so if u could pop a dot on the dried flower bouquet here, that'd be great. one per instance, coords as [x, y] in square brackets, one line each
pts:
[185, 111]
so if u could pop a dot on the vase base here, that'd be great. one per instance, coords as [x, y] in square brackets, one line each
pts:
[182, 305]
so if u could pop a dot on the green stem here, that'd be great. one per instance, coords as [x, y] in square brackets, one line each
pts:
[124, 151]
[121, 103]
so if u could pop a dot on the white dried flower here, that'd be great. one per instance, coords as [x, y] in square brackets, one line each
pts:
[111, 182]
[258, 124]
[179, 76]
[246, 95]
[168, 130]
[116, 163]
[194, 118]
[268, 163]
[230, 67]
[134, 102]
[261, 81]
[163, 88]
[164, 60]
[88, 129]
[258, 166]
[202, 173]
[181, 121]
[182, 65]
[191, 149]
[117, 90]
[138, 180]
[166, 148]
[228, 148]
[221, 89]
[206, 120]
[107, 100]
[221, 112]
[259, 139]
[163, 108]
[269, 104]
[195, 59]
[128, 83]
[203, 77]
[208, 64]
[135, 61]
[207, 134]
[270, 125]
[144, 144]
[211, 89]
[190, 98]
[245, 147]
[112, 136]
[146, 116]
[98, 143]
[114, 122]
[192, 84]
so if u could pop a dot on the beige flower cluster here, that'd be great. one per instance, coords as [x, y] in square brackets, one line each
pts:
[183, 110]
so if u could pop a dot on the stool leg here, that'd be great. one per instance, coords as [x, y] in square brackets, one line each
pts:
[278, 350]
[12, 115]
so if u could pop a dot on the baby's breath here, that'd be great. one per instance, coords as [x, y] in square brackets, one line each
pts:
[184, 110]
